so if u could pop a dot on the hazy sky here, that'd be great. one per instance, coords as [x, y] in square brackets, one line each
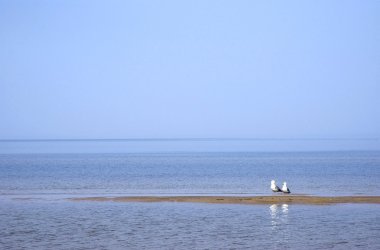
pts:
[127, 69]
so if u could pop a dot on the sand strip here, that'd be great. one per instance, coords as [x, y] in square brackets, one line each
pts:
[280, 199]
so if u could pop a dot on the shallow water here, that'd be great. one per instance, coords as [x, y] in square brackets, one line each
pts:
[95, 225]
[35, 214]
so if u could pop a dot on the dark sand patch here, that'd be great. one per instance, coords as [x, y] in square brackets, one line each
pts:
[281, 199]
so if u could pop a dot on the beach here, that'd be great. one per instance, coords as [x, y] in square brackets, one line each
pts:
[249, 200]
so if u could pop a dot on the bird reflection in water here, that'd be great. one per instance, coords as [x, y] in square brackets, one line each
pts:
[285, 209]
[279, 215]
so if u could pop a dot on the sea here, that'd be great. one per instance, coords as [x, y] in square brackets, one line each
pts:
[38, 178]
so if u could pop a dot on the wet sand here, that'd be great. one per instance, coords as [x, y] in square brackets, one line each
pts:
[249, 200]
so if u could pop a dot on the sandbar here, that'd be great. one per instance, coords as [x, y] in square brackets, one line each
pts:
[249, 200]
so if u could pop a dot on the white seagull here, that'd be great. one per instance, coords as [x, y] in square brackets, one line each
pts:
[274, 187]
[285, 189]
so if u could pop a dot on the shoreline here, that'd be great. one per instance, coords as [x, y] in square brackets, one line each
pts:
[249, 200]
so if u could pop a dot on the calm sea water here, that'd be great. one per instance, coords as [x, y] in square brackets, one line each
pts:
[328, 173]
[37, 177]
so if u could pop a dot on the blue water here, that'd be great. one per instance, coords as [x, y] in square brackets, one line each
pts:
[310, 173]
[37, 177]
[96, 225]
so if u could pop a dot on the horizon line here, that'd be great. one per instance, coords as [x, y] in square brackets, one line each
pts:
[198, 139]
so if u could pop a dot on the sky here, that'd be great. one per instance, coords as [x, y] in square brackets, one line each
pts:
[74, 69]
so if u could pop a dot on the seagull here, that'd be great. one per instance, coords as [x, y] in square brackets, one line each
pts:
[274, 187]
[285, 189]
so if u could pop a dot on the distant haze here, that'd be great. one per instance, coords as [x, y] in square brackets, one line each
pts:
[189, 69]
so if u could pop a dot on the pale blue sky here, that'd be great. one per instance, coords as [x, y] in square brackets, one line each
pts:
[143, 69]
